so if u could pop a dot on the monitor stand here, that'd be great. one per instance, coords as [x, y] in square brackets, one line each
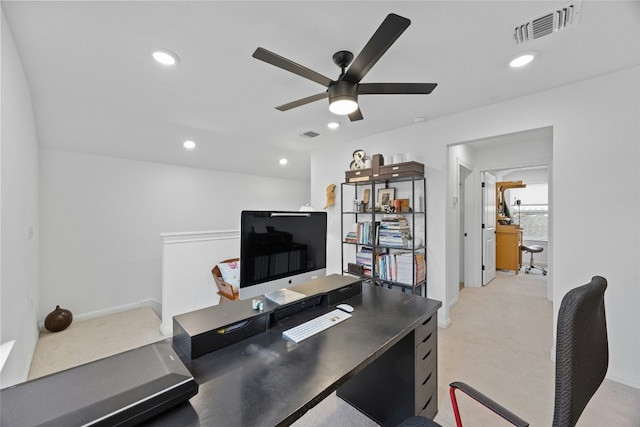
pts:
[284, 296]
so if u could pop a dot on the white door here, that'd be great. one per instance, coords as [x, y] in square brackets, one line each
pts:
[488, 227]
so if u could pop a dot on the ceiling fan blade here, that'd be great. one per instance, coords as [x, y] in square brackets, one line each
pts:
[303, 101]
[285, 64]
[395, 88]
[388, 32]
[356, 115]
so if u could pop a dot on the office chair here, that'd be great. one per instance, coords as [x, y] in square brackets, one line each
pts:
[582, 357]
[533, 249]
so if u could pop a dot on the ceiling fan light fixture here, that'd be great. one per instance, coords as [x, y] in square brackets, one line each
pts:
[343, 98]
[343, 106]
[343, 93]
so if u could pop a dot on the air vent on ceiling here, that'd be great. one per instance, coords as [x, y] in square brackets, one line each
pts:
[310, 134]
[555, 20]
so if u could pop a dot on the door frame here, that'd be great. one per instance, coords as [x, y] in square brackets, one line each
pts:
[465, 220]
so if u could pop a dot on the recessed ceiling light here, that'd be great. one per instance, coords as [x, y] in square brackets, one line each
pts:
[522, 60]
[333, 125]
[165, 57]
[283, 162]
[189, 145]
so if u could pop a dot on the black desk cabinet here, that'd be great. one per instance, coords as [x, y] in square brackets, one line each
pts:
[402, 380]
[382, 360]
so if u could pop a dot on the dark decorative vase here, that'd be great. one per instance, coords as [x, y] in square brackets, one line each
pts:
[58, 320]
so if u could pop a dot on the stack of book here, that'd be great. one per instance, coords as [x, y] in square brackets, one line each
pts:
[352, 237]
[410, 267]
[402, 267]
[364, 257]
[394, 232]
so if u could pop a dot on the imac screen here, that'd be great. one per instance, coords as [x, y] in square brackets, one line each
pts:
[276, 245]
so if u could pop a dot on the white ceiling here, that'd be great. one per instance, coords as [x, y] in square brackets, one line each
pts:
[95, 88]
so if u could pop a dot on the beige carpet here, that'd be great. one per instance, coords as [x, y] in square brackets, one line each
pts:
[499, 341]
[93, 339]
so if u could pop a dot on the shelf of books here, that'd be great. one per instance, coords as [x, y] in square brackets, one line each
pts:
[386, 243]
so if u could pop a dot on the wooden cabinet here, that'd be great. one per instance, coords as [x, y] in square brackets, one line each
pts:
[508, 243]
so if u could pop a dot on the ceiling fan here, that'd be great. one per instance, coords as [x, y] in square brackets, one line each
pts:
[343, 92]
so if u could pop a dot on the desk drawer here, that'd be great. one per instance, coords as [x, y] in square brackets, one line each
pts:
[426, 393]
[426, 374]
[425, 328]
[430, 409]
[426, 362]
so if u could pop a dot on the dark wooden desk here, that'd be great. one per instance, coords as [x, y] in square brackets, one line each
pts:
[383, 360]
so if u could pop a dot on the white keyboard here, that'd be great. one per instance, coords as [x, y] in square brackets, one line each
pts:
[313, 326]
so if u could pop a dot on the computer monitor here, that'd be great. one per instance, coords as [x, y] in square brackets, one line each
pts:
[279, 249]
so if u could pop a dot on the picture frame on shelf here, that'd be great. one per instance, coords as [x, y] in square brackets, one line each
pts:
[386, 196]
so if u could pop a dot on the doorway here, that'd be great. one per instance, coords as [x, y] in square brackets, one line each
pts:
[467, 161]
[527, 207]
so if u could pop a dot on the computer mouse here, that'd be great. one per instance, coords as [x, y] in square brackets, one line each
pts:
[345, 307]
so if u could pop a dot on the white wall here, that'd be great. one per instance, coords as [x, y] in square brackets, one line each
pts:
[187, 282]
[19, 222]
[595, 164]
[101, 220]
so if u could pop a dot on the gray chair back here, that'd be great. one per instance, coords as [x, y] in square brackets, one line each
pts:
[582, 350]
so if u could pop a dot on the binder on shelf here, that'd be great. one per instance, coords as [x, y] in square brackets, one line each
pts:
[355, 268]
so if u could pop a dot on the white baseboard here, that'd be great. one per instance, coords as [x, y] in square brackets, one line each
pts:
[453, 302]
[166, 330]
[155, 305]
[622, 378]
[443, 322]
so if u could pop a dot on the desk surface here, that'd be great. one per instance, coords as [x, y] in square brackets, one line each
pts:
[267, 381]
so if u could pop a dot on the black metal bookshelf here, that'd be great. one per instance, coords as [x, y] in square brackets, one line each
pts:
[384, 256]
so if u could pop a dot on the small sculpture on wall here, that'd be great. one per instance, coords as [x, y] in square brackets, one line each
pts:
[331, 197]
